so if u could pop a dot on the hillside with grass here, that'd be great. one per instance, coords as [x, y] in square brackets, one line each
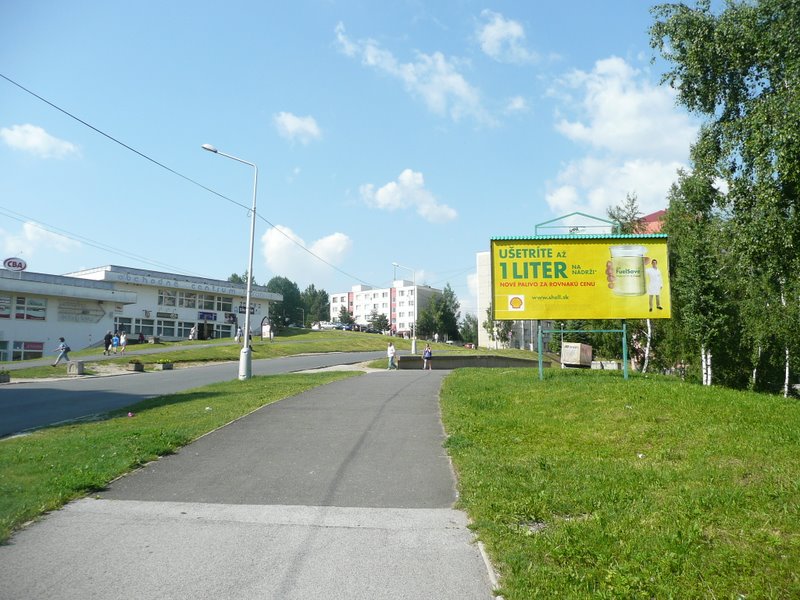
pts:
[585, 485]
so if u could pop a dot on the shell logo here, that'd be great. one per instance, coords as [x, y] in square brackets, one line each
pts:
[516, 303]
[15, 264]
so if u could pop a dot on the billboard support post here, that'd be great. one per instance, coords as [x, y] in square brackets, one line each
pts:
[623, 331]
[624, 349]
[541, 362]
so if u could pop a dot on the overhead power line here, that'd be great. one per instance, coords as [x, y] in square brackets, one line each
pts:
[174, 172]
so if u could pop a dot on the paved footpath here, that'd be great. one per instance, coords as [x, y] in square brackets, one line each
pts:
[343, 492]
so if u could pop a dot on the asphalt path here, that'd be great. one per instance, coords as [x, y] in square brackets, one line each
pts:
[343, 492]
[38, 403]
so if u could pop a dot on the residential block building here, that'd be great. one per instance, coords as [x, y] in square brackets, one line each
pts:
[400, 303]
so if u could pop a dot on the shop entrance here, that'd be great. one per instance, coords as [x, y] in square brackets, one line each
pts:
[205, 330]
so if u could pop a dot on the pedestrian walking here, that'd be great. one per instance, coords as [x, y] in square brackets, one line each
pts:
[107, 343]
[115, 342]
[390, 353]
[123, 342]
[62, 350]
[238, 335]
[427, 355]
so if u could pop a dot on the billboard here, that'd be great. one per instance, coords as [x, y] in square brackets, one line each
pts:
[586, 277]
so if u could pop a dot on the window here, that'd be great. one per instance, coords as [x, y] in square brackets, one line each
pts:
[167, 298]
[165, 328]
[224, 303]
[123, 324]
[3, 351]
[31, 308]
[184, 327]
[5, 307]
[187, 299]
[144, 326]
[27, 350]
[222, 331]
[205, 302]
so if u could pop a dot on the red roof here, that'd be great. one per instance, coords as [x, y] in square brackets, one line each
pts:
[652, 223]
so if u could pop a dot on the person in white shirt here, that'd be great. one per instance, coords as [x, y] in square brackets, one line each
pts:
[390, 352]
[654, 284]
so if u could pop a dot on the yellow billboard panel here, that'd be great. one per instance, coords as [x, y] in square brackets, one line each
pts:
[594, 277]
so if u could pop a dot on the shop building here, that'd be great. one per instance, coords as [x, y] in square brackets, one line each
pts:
[36, 309]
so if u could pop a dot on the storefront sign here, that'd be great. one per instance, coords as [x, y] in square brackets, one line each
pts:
[15, 264]
[166, 315]
[206, 316]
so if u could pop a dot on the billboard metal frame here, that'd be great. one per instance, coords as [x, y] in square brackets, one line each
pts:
[574, 234]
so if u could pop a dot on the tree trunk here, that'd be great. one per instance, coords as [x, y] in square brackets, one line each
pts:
[786, 376]
[703, 362]
[647, 346]
[705, 358]
[708, 369]
[755, 369]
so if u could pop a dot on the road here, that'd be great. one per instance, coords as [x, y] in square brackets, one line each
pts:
[29, 405]
[343, 492]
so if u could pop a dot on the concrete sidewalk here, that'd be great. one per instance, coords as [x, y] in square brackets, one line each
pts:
[343, 492]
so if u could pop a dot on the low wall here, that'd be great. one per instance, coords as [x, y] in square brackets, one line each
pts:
[459, 361]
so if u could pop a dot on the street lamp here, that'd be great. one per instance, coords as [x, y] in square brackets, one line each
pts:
[414, 322]
[245, 356]
[304, 315]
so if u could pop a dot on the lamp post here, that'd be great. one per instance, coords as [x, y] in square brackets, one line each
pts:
[245, 356]
[414, 322]
[302, 310]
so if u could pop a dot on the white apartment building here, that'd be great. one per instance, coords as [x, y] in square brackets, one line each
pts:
[400, 303]
[37, 308]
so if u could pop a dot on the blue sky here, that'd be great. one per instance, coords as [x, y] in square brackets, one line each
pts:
[408, 132]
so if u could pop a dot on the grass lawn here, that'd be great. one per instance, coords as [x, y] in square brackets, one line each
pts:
[587, 486]
[44, 470]
[290, 342]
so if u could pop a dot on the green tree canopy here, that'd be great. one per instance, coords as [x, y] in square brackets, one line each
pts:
[739, 69]
[287, 311]
[316, 303]
[469, 329]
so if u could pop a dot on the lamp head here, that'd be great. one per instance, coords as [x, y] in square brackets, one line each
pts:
[209, 147]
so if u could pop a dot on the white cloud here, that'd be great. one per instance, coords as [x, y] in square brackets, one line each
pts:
[285, 258]
[407, 192]
[35, 140]
[516, 104]
[636, 139]
[626, 114]
[294, 128]
[33, 239]
[432, 77]
[504, 40]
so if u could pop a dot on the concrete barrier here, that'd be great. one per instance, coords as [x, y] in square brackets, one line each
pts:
[75, 367]
[460, 361]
